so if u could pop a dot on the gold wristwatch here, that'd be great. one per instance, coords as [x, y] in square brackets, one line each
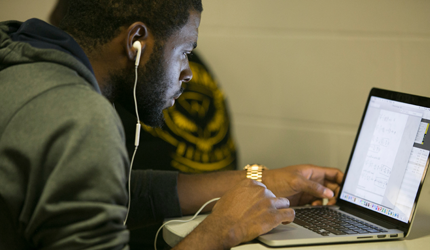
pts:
[255, 171]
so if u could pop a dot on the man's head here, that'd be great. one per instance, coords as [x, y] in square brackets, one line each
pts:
[167, 30]
[96, 22]
[161, 76]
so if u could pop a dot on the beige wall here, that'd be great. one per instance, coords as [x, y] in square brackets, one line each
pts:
[297, 72]
[22, 10]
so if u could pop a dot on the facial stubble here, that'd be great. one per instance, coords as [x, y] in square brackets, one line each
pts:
[151, 89]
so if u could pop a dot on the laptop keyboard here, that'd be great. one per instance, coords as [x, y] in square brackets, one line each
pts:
[327, 221]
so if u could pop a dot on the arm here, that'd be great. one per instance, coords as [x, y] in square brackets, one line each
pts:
[305, 184]
[244, 212]
[249, 209]
[302, 184]
[195, 190]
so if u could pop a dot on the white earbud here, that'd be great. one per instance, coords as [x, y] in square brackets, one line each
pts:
[137, 46]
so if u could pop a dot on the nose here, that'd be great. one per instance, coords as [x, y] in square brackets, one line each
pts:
[186, 74]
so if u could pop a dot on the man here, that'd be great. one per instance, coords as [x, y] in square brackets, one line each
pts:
[196, 136]
[63, 163]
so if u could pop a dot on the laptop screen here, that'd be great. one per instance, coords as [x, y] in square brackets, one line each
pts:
[388, 163]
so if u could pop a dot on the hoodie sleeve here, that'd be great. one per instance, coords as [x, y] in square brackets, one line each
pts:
[154, 197]
[66, 158]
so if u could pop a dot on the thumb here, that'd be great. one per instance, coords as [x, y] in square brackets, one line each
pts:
[315, 189]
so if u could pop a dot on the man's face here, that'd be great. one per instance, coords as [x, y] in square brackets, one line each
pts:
[160, 79]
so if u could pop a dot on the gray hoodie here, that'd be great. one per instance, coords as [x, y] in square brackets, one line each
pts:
[63, 162]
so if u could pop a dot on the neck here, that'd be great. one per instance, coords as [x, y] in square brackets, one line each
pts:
[100, 70]
[103, 79]
[105, 62]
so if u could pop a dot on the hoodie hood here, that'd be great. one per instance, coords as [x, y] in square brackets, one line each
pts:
[37, 41]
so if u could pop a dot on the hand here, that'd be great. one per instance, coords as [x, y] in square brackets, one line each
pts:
[304, 184]
[247, 211]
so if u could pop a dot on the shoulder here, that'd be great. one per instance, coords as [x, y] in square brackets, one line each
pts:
[53, 91]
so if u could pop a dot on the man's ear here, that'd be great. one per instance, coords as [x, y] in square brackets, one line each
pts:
[136, 32]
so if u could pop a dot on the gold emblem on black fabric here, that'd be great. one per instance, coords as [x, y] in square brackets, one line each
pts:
[198, 126]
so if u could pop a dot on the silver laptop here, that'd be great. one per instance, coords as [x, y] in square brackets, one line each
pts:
[382, 182]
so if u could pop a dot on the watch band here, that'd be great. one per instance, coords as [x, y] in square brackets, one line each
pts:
[255, 171]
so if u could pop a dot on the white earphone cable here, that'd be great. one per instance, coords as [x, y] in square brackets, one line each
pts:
[134, 93]
[136, 143]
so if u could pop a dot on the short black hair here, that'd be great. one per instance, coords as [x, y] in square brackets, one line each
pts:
[96, 22]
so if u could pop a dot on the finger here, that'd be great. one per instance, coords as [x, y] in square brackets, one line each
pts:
[333, 174]
[268, 193]
[281, 203]
[306, 198]
[330, 201]
[333, 186]
[317, 203]
[315, 189]
[288, 215]
[259, 183]
[333, 200]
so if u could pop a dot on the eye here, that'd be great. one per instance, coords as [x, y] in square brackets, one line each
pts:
[189, 54]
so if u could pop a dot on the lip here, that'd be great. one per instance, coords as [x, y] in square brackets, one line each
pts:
[177, 96]
[174, 100]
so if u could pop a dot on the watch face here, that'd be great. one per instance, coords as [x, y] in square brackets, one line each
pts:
[255, 172]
